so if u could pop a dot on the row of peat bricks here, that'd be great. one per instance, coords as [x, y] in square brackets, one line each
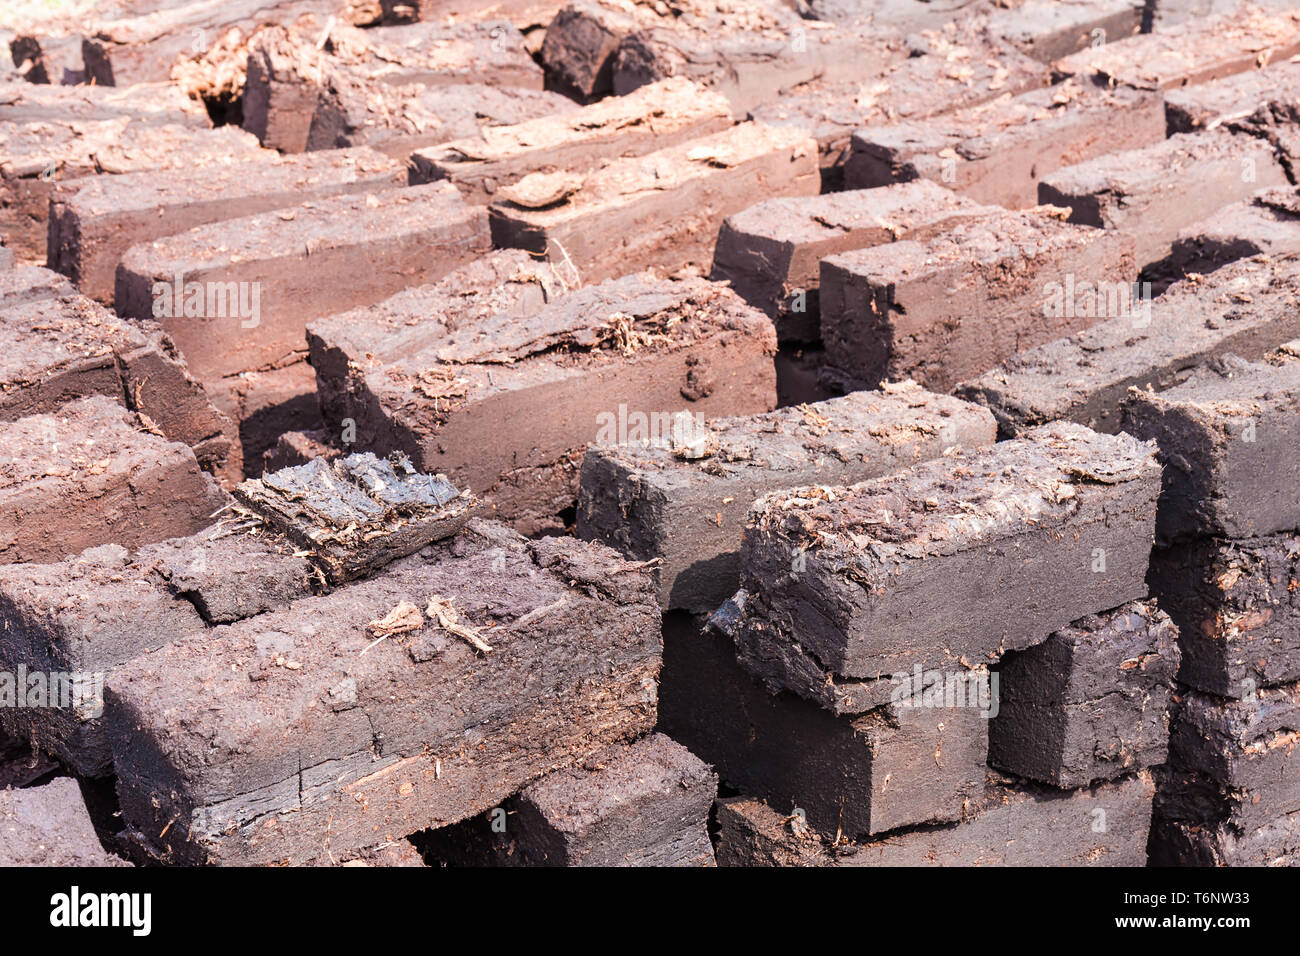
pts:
[892, 637]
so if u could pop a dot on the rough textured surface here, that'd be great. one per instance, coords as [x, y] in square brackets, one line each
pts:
[684, 505]
[279, 740]
[489, 52]
[1050, 29]
[941, 310]
[945, 71]
[649, 119]
[1237, 607]
[83, 585]
[587, 362]
[341, 347]
[1160, 15]
[89, 613]
[49, 826]
[124, 50]
[21, 284]
[1248, 308]
[331, 679]
[305, 262]
[578, 53]
[640, 804]
[998, 152]
[1267, 224]
[893, 14]
[397, 119]
[39, 158]
[948, 545]
[747, 51]
[1232, 98]
[1009, 824]
[229, 571]
[1246, 747]
[1089, 703]
[393, 853]
[771, 252]
[161, 104]
[88, 475]
[660, 210]
[394, 89]
[56, 346]
[1196, 824]
[1155, 192]
[1229, 439]
[856, 775]
[93, 222]
[483, 50]
[1192, 52]
[79, 618]
[358, 513]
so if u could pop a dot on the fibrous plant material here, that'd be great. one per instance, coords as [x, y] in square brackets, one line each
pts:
[358, 513]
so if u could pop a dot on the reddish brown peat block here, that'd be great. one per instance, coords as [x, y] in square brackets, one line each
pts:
[941, 75]
[1249, 308]
[659, 210]
[396, 91]
[88, 474]
[343, 347]
[1197, 51]
[292, 534]
[596, 364]
[38, 159]
[771, 252]
[1155, 192]
[941, 309]
[998, 152]
[287, 267]
[1229, 439]
[58, 346]
[650, 119]
[93, 223]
